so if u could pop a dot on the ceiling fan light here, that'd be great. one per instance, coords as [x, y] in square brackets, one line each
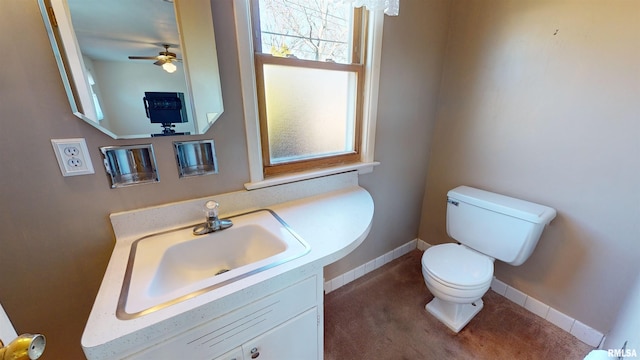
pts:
[169, 67]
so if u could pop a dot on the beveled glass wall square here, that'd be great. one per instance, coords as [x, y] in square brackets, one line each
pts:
[195, 158]
[300, 123]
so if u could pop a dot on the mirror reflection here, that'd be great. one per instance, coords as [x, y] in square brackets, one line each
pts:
[137, 68]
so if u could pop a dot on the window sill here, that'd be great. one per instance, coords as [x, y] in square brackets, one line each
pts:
[361, 167]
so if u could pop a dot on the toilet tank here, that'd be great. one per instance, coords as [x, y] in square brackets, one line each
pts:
[499, 226]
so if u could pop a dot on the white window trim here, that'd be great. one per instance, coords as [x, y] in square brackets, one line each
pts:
[242, 15]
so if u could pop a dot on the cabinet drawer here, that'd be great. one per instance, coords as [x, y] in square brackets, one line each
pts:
[235, 354]
[295, 339]
[237, 326]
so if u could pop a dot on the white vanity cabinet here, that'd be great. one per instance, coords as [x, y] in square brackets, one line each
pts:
[295, 339]
[277, 310]
[235, 354]
[286, 324]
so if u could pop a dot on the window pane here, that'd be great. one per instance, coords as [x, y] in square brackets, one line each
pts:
[310, 118]
[317, 30]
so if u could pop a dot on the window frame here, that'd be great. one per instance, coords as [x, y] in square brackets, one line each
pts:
[362, 161]
[270, 169]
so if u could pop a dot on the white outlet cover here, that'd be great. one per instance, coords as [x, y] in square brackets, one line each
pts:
[73, 156]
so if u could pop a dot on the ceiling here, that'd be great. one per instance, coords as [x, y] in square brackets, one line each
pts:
[112, 30]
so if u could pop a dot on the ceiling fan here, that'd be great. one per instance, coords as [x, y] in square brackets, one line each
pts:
[165, 59]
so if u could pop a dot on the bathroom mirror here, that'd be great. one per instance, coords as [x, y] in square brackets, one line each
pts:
[118, 58]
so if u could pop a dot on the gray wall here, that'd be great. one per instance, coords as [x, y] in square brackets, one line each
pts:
[412, 58]
[541, 100]
[625, 329]
[56, 235]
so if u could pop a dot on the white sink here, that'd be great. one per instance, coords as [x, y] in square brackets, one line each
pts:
[173, 266]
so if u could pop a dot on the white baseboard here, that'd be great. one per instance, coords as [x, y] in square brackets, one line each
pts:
[581, 331]
[576, 328]
[422, 245]
[363, 269]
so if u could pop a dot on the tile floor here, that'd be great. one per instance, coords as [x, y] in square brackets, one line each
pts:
[381, 316]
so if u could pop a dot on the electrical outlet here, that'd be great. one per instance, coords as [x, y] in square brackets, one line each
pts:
[73, 156]
[71, 150]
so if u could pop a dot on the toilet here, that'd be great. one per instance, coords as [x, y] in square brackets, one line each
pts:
[487, 226]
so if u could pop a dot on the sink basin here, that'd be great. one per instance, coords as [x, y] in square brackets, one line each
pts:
[173, 266]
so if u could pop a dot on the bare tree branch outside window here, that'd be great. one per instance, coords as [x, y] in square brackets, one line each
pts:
[316, 30]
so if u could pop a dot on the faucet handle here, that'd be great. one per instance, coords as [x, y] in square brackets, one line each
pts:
[212, 224]
[211, 209]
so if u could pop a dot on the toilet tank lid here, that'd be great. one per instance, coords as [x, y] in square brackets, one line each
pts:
[521, 209]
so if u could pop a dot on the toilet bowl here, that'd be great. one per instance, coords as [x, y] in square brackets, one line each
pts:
[488, 226]
[457, 277]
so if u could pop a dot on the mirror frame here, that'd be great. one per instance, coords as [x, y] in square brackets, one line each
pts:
[200, 63]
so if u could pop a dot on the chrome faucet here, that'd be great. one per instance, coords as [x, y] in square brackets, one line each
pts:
[213, 222]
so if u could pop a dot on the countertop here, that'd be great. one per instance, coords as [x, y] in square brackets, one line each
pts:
[334, 223]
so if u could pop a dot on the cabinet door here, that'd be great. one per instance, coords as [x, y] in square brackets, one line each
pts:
[294, 339]
[235, 354]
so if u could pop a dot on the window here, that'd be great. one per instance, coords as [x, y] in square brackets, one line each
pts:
[309, 85]
[310, 79]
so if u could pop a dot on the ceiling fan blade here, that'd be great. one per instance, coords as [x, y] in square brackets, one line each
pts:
[143, 57]
[160, 62]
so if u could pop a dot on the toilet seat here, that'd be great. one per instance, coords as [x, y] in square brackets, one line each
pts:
[458, 267]
[455, 287]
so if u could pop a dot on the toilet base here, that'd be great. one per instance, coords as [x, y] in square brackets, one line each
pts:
[454, 315]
